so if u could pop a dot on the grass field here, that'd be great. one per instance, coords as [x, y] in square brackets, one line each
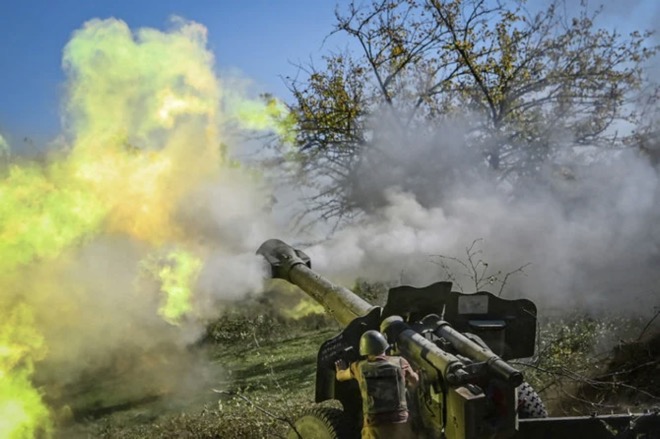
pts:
[262, 379]
[256, 387]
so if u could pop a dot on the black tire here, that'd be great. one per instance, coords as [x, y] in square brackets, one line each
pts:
[318, 423]
[529, 403]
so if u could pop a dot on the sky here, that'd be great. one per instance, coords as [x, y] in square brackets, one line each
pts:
[260, 39]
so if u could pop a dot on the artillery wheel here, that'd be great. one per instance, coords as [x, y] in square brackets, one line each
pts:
[530, 404]
[318, 423]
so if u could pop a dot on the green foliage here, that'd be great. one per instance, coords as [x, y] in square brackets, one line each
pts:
[330, 115]
[255, 324]
[233, 418]
[267, 385]
[573, 358]
[237, 326]
[270, 383]
[566, 344]
[420, 63]
[373, 292]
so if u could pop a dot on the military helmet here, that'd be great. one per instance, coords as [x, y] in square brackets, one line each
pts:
[372, 343]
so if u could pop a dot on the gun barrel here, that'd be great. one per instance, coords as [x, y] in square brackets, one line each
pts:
[295, 266]
[413, 345]
[479, 353]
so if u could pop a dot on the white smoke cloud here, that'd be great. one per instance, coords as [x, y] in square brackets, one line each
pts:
[4, 146]
[589, 229]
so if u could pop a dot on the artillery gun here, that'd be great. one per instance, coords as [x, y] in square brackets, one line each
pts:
[459, 343]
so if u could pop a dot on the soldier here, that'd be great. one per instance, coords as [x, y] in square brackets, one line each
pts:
[382, 379]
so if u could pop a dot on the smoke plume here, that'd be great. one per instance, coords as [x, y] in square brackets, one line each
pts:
[119, 246]
[585, 231]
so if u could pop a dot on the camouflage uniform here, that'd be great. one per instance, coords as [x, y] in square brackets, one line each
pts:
[382, 381]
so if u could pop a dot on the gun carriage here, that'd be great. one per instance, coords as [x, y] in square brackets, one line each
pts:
[460, 345]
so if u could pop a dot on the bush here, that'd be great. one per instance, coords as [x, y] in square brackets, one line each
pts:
[572, 356]
[259, 323]
[233, 418]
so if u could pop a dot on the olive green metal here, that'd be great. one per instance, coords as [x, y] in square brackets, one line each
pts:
[450, 403]
[478, 353]
[294, 265]
[340, 302]
[422, 351]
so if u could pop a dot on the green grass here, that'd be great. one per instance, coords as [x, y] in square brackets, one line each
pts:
[289, 363]
[257, 382]
[264, 375]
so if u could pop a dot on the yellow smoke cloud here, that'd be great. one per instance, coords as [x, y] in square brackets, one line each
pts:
[176, 273]
[142, 117]
[143, 109]
[268, 113]
[22, 412]
[41, 213]
[304, 308]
